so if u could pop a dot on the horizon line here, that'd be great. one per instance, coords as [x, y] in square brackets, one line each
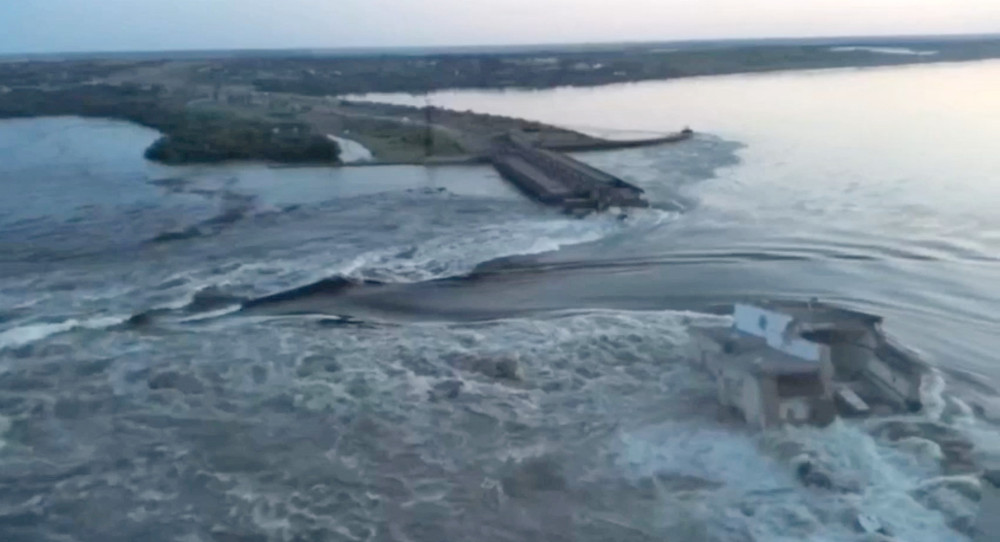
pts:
[441, 48]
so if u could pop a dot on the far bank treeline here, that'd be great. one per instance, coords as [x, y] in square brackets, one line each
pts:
[190, 136]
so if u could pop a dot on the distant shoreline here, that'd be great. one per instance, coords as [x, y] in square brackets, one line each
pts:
[279, 107]
[492, 49]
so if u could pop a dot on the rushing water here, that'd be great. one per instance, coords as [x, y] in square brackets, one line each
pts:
[351, 151]
[246, 353]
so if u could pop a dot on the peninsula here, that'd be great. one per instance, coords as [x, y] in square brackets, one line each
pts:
[290, 106]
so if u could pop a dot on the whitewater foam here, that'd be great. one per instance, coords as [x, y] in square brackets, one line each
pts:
[757, 478]
[29, 333]
[212, 314]
[351, 151]
[932, 394]
[458, 254]
[454, 252]
[883, 50]
[5, 425]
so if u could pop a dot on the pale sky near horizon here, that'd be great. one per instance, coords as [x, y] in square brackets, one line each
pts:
[30, 26]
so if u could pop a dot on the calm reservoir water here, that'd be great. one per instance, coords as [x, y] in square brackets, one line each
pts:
[247, 353]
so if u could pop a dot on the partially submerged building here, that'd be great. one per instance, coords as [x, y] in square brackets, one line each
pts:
[803, 363]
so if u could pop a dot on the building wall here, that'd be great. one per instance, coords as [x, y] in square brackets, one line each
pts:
[851, 359]
[752, 403]
[901, 384]
[796, 410]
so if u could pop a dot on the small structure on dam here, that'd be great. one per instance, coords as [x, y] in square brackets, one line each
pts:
[556, 179]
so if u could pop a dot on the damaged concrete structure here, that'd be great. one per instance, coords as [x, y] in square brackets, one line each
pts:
[805, 362]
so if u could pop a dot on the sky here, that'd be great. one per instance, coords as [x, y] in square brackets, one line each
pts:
[47, 26]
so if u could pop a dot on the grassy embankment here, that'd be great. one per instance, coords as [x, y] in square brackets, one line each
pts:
[190, 136]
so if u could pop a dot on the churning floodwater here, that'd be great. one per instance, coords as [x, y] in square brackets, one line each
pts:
[415, 354]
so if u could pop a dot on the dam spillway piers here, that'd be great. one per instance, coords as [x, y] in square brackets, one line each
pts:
[556, 179]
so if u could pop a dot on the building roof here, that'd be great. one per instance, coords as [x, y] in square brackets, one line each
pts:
[817, 312]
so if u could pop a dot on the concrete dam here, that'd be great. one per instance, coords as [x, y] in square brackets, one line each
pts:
[556, 179]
